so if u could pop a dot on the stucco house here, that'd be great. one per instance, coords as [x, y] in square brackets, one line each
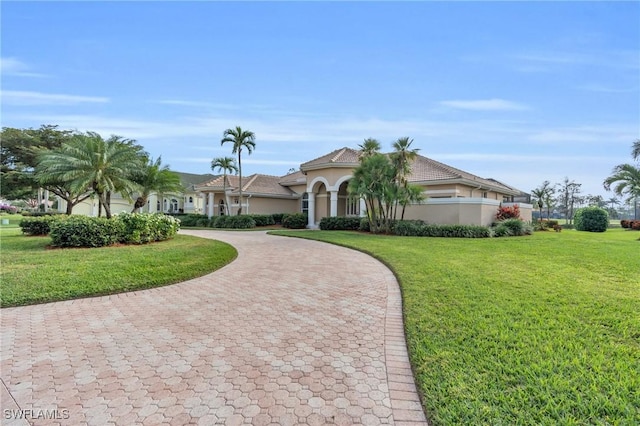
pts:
[188, 201]
[319, 189]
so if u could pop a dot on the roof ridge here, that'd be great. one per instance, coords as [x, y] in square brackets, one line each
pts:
[252, 178]
[335, 157]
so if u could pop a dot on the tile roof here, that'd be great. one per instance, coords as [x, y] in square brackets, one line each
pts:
[346, 156]
[425, 169]
[252, 184]
[294, 178]
[265, 185]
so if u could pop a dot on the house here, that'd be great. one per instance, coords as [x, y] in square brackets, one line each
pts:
[188, 201]
[319, 189]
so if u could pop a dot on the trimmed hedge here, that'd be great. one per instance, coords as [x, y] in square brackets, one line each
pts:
[591, 219]
[83, 231]
[295, 221]
[263, 219]
[630, 224]
[190, 219]
[38, 225]
[340, 223]
[233, 222]
[145, 228]
[418, 228]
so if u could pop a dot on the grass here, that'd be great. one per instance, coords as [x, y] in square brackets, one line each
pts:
[532, 330]
[32, 273]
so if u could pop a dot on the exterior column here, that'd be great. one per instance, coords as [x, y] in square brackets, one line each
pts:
[311, 211]
[210, 209]
[203, 200]
[334, 204]
[363, 208]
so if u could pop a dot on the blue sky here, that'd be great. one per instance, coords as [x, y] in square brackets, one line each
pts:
[520, 92]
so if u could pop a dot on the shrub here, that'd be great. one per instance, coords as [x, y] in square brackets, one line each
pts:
[591, 219]
[515, 226]
[364, 225]
[39, 225]
[219, 222]
[340, 223]
[635, 225]
[277, 218]
[190, 219]
[5, 208]
[420, 229]
[201, 222]
[510, 212]
[141, 228]
[83, 231]
[295, 221]
[625, 223]
[263, 219]
[240, 222]
[501, 230]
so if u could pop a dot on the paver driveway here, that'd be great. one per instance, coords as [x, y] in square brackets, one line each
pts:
[291, 332]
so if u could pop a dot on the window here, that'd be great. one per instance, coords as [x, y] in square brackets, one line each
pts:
[305, 203]
[190, 200]
[485, 194]
[353, 206]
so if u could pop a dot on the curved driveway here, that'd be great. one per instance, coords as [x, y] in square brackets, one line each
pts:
[291, 332]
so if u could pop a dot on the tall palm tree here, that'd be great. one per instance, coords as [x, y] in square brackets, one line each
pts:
[224, 164]
[89, 162]
[240, 139]
[625, 180]
[401, 158]
[635, 150]
[369, 147]
[154, 177]
[539, 195]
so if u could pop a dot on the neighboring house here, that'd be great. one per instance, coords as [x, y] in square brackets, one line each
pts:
[189, 201]
[320, 189]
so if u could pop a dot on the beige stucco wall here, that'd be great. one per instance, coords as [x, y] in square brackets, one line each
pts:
[331, 175]
[259, 205]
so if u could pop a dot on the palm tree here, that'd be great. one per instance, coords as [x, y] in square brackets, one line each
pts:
[401, 158]
[625, 180]
[226, 164]
[154, 177]
[369, 147]
[240, 139]
[635, 150]
[539, 194]
[90, 163]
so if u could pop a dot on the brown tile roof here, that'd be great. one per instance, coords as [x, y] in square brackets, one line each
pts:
[265, 185]
[253, 184]
[217, 183]
[293, 178]
[425, 169]
[346, 156]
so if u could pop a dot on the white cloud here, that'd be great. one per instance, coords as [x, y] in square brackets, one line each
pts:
[26, 98]
[485, 105]
[15, 67]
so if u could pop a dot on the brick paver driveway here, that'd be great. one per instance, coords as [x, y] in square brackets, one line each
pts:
[291, 332]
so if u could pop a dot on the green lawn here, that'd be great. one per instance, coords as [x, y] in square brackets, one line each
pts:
[530, 330]
[33, 273]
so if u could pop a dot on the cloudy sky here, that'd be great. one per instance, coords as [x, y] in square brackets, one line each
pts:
[520, 92]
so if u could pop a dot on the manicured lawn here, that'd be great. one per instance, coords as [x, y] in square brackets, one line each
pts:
[32, 273]
[530, 330]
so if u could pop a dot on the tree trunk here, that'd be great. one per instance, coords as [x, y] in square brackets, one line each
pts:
[240, 178]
